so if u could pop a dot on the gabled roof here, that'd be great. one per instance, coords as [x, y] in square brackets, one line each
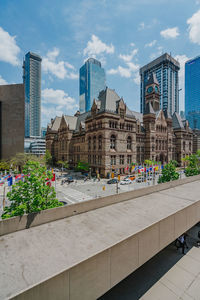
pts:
[108, 99]
[167, 114]
[149, 109]
[81, 119]
[71, 121]
[176, 121]
[55, 123]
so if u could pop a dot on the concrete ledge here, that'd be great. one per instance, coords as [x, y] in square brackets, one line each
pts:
[93, 277]
[35, 219]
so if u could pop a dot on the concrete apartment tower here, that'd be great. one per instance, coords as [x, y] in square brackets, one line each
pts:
[92, 80]
[166, 70]
[32, 83]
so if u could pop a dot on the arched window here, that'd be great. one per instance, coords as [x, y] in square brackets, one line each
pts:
[113, 142]
[89, 143]
[63, 145]
[129, 143]
[94, 143]
[100, 142]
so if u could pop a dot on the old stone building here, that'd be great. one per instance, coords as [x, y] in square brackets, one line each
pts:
[111, 136]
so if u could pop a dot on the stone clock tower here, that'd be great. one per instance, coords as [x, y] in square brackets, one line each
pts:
[152, 93]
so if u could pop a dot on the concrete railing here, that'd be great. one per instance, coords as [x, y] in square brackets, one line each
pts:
[45, 216]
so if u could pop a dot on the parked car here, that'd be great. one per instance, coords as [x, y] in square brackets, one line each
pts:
[69, 179]
[126, 181]
[112, 181]
[131, 177]
[140, 179]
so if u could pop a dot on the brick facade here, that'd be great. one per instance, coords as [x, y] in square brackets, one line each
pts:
[110, 137]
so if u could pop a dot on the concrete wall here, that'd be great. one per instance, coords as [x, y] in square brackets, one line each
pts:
[45, 216]
[111, 266]
[11, 120]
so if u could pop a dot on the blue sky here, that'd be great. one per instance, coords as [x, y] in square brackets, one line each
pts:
[123, 35]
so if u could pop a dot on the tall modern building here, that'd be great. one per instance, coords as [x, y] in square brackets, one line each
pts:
[92, 80]
[192, 92]
[166, 70]
[32, 83]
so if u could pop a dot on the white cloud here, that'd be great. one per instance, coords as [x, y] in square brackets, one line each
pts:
[128, 57]
[157, 53]
[194, 28]
[132, 66]
[141, 26]
[2, 81]
[151, 44]
[58, 97]
[131, 69]
[170, 33]
[8, 48]
[56, 103]
[136, 78]
[132, 44]
[95, 47]
[60, 69]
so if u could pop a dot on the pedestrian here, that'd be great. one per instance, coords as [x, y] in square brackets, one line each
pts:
[181, 240]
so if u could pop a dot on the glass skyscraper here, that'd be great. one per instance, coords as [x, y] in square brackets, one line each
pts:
[192, 92]
[32, 84]
[166, 70]
[92, 80]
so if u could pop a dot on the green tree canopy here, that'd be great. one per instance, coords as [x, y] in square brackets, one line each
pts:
[82, 166]
[20, 159]
[48, 159]
[4, 165]
[33, 194]
[168, 173]
[63, 164]
[193, 165]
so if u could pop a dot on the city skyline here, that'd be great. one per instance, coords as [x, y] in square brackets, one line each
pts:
[132, 36]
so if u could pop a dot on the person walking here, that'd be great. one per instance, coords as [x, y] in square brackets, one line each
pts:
[182, 243]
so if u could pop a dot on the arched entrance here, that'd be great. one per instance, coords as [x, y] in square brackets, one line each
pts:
[162, 158]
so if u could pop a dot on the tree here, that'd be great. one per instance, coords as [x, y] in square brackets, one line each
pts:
[193, 165]
[20, 159]
[63, 164]
[33, 194]
[4, 165]
[168, 173]
[82, 166]
[48, 158]
[148, 162]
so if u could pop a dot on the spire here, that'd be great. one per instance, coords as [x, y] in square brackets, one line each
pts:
[152, 79]
[149, 109]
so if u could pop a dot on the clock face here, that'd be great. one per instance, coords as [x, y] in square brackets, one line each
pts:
[156, 89]
[150, 89]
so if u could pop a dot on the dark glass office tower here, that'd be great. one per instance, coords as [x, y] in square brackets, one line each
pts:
[192, 92]
[92, 80]
[32, 83]
[166, 70]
